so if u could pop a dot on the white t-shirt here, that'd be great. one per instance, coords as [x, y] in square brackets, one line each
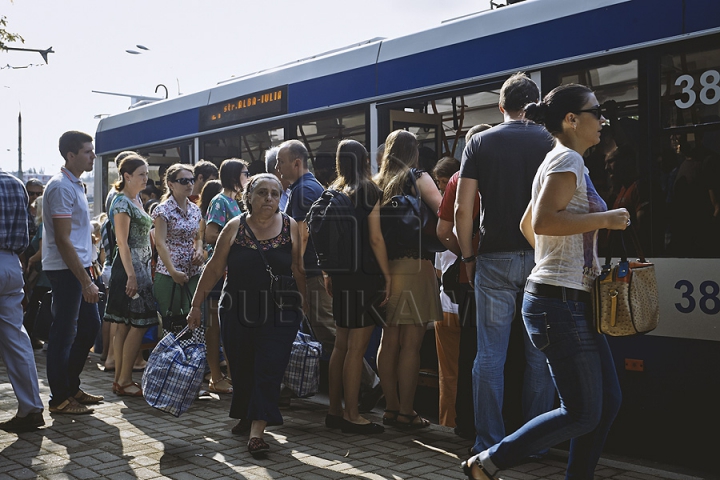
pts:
[443, 260]
[571, 260]
[64, 197]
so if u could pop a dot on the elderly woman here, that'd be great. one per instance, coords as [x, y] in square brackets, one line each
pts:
[561, 223]
[415, 297]
[130, 302]
[257, 333]
[178, 242]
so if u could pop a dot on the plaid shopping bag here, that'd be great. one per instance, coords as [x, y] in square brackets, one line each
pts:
[174, 372]
[302, 374]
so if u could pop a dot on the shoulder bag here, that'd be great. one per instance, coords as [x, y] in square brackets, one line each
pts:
[625, 295]
[283, 288]
[407, 221]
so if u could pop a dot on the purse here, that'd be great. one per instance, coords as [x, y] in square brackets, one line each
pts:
[625, 296]
[407, 220]
[302, 374]
[172, 322]
[174, 372]
[283, 288]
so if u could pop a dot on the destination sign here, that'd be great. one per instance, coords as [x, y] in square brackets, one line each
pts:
[255, 106]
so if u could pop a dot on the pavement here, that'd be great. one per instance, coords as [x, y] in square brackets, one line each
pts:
[127, 439]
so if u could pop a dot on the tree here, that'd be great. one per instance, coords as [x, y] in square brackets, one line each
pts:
[6, 36]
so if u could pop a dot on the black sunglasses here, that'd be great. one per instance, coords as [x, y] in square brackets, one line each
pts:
[596, 110]
[184, 181]
[34, 194]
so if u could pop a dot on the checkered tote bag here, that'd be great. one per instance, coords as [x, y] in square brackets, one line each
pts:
[302, 374]
[174, 372]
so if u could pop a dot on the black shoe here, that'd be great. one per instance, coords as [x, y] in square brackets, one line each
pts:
[362, 429]
[369, 400]
[32, 421]
[467, 470]
[36, 344]
[465, 433]
[258, 448]
[333, 421]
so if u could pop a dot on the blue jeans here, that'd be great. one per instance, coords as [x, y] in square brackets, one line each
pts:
[499, 282]
[585, 377]
[74, 328]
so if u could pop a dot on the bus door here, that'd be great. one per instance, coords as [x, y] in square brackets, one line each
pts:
[427, 128]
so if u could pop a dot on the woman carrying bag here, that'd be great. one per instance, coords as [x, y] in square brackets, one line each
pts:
[130, 303]
[260, 250]
[178, 243]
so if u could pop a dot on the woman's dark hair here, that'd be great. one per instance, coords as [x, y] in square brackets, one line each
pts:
[559, 102]
[446, 167]
[400, 155]
[171, 175]
[209, 190]
[230, 171]
[352, 167]
[128, 164]
[254, 180]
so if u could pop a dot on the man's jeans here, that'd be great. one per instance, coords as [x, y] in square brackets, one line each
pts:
[499, 282]
[584, 373]
[74, 328]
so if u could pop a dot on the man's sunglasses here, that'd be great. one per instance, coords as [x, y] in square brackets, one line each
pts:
[184, 181]
[596, 110]
[34, 194]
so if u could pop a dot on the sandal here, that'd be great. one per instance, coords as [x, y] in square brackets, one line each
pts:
[257, 447]
[390, 417]
[121, 390]
[411, 424]
[220, 387]
[467, 469]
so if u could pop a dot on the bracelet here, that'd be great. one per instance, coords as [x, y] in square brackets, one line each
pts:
[469, 259]
[88, 286]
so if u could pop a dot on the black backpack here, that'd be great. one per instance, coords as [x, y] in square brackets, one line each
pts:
[333, 229]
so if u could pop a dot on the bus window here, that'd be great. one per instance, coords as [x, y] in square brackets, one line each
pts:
[321, 136]
[248, 145]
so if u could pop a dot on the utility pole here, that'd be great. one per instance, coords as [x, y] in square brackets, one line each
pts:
[20, 170]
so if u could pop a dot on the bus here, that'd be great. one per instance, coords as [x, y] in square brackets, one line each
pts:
[654, 66]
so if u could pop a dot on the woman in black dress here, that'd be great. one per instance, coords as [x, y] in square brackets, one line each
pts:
[357, 295]
[257, 334]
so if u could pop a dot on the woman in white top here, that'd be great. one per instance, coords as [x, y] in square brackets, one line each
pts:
[561, 223]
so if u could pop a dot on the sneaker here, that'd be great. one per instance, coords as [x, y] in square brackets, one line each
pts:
[85, 398]
[71, 407]
[31, 421]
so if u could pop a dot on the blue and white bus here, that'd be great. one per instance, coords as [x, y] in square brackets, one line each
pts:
[653, 64]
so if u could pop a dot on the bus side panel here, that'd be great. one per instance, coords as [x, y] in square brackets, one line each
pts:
[701, 15]
[588, 32]
[334, 89]
[670, 406]
[149, 131]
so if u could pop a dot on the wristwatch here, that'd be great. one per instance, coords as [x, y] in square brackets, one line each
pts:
[468, 259]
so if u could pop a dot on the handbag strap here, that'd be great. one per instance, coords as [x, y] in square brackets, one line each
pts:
[251, 234]
[630, 231]
[183, 289]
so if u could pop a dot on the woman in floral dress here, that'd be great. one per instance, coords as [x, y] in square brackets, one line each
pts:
[130, 302]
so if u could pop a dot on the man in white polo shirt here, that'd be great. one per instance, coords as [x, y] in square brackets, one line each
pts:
[67, 256]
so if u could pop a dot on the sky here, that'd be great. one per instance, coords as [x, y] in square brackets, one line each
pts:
[192, 46]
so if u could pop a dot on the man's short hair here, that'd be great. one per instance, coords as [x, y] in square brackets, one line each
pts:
[72, 141]
[297, 150]
[476, 129]
[34, 182]
[271, 159]
[206, 169]
[518, 91]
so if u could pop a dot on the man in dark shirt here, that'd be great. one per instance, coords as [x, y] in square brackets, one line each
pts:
[501, 163]
[15, 344]
[292, 164]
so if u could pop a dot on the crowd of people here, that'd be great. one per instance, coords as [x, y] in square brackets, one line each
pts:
[518, 217]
